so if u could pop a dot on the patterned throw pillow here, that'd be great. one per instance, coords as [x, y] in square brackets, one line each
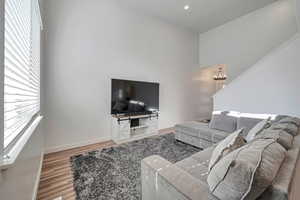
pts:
[229, 144]
[258, 128]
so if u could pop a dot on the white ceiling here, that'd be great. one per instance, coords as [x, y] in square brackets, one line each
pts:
[202, 16]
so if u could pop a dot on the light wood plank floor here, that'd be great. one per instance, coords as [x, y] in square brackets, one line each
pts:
[57, 179]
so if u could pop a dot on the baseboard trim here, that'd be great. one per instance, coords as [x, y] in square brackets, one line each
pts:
[37, 181]
[71, 146]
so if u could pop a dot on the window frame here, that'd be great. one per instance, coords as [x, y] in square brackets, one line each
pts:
[9, 154]
[2, 22]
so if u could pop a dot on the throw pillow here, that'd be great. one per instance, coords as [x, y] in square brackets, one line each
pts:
[247, 172]
[223, 122]
[229, 144]
[258, 128]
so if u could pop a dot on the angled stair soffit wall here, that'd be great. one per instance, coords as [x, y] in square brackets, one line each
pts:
[269, 86]
[242, 42]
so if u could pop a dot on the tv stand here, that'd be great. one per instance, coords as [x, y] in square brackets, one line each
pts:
[132, 127]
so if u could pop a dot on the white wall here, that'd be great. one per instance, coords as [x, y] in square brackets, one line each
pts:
[21, 180]
[270, 86]
[242, 42]
[205, 88]
[87, 44]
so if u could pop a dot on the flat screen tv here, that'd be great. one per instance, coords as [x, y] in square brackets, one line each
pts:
[134, 97]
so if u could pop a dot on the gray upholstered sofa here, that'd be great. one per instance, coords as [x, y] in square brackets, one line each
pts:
[198, 134]
[187, 179]
[203, 135]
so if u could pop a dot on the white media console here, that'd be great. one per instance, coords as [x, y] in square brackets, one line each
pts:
[128, 128]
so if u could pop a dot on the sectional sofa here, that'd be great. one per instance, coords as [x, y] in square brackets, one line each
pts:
[204, 135]
[187, 179]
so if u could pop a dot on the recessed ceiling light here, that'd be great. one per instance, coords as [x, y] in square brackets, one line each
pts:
[186, 7]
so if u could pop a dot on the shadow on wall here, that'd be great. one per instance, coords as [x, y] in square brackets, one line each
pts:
[207, 87]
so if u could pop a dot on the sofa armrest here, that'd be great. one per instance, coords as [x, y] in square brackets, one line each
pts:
[162, 180]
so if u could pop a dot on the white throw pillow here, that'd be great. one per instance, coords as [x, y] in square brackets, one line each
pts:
[258, 128]
[226, 146]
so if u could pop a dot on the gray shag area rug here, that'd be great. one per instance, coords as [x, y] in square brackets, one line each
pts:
[115, 173]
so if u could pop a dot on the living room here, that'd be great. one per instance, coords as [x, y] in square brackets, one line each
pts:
[118, 96]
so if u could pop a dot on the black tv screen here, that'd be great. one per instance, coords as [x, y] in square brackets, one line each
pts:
[134, 97]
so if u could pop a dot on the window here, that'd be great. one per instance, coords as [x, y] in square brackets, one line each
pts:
[22, 67]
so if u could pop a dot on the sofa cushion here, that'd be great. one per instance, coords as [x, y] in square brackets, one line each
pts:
[201, 130]
[247, 124]
[248, 171]
[258, 128]
[279, 117]
[223, 122]
[288, 127]
[197, 164]
[281, 136]
[194, 168]
[229, 144]
[204, 156]
[288, 119]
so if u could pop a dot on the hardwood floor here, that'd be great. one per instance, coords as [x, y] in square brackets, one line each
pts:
[57, 179]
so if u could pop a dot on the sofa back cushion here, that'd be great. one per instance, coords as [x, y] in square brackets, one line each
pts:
[287, 119]
[247, 123]
[288, 127]
[223, 121]
[226, 146]
[281, 136]
[247, 172]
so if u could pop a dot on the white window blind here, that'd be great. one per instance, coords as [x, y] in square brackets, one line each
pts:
[22, 66]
